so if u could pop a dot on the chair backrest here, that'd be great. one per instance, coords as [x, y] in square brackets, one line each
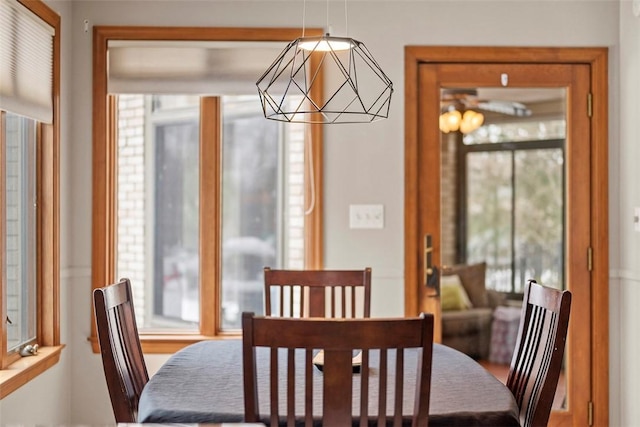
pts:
[338, 338]
[317, 293]
[538, 355]
[122, 358]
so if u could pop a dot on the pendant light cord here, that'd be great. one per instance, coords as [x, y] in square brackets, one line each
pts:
[328, 27]
[312, 180]
[304, 14]
[346, 20]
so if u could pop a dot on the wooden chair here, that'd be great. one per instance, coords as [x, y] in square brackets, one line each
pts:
[122, 358]
[317, 293]
[338, 338]
[538, 355]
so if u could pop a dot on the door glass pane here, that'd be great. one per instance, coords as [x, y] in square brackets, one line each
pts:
[19, 215]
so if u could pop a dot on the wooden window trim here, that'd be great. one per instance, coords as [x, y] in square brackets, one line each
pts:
[16, 372]
[27, 368]
[104, 178]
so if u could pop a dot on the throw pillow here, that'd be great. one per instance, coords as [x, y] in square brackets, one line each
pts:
[472, 277]
[452, 294]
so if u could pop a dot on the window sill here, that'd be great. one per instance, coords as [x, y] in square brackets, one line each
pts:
[168, 343]
[27, 368]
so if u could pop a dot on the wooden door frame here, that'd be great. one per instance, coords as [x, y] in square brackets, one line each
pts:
[597, 59]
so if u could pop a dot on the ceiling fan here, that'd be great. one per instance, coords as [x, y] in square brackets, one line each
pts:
[465, 99]
[461, 110]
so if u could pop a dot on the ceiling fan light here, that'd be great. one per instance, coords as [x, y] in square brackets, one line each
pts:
[474, 118]
[471, 120]
[465, 128]
[477, 120]
[454, 118]
[444, 125]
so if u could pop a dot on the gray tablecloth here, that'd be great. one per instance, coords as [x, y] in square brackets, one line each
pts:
[203, 384]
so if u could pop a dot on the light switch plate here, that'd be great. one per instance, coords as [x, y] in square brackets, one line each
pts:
[366, 216]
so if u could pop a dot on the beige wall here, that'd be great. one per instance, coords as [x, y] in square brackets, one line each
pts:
[363, 163]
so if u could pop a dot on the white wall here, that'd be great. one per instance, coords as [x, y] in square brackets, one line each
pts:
[626, 311]
[363, 163]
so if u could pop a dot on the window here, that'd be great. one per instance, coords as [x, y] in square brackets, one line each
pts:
[29, 193]
[20, 240]
[513, 202]
[262, 216]
[199, 191]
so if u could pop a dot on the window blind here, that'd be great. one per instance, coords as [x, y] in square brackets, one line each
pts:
[187, 67]
[26, 62]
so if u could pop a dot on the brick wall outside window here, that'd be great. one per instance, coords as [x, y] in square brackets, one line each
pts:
[131, 201]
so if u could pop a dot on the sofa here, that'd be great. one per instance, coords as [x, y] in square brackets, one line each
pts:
[467, 309]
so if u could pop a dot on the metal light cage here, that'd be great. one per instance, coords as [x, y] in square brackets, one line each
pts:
[361, 94]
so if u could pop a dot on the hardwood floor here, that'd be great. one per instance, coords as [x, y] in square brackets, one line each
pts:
[501, 372]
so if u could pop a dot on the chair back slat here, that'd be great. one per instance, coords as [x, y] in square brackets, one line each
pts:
[538, 356]
[122, 358]
[338, 339]
[318, 293]
[399, 387]
[275, 397]
[308, 390]
[364, 388]
[291, 387]
[382, 388]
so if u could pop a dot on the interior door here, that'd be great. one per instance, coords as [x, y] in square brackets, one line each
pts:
[575, 79]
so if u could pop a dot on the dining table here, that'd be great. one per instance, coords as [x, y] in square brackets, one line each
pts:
[203, 383]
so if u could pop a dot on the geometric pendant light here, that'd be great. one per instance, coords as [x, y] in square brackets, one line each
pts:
[361, 92]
